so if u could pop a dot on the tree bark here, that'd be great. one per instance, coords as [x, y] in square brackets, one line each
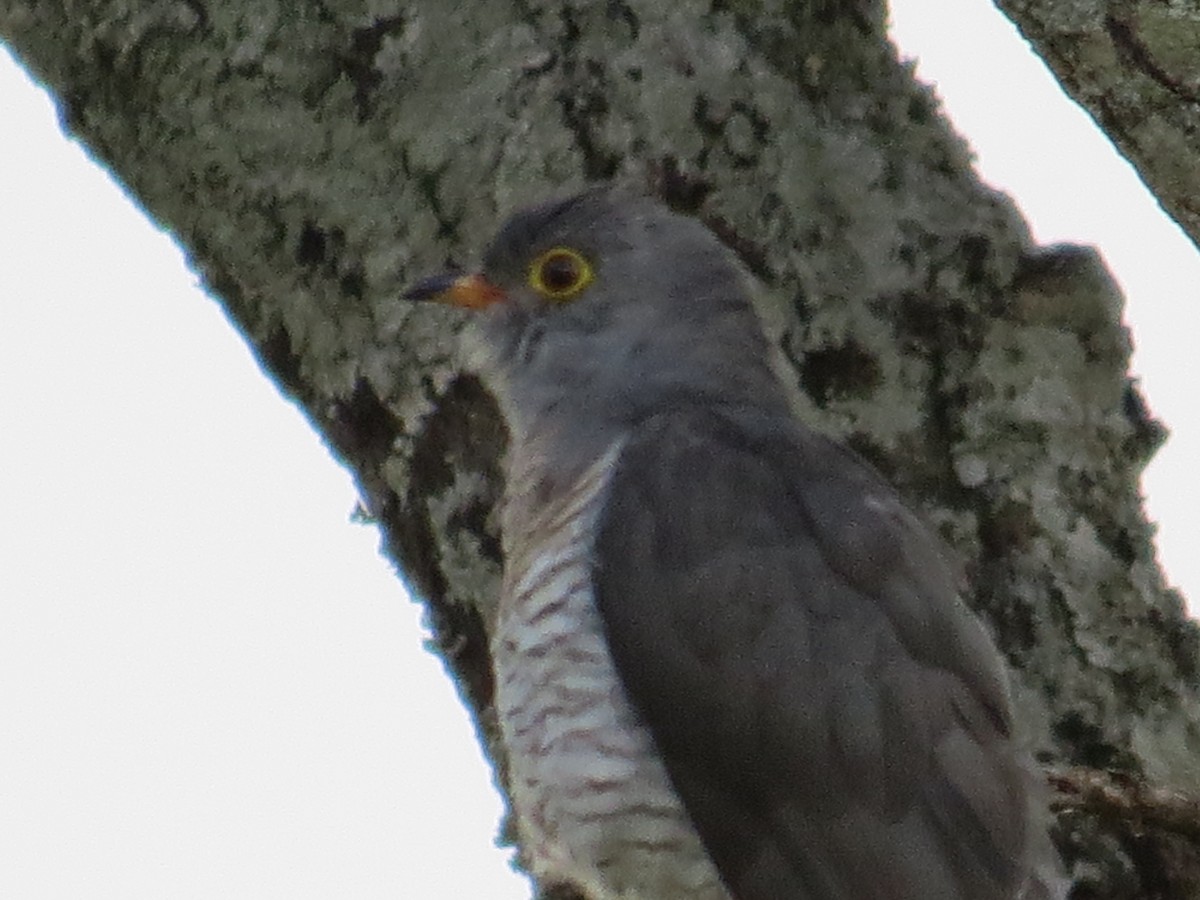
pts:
[1134, 65]
[313, 159]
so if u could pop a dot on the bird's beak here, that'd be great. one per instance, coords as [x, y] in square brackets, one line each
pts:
[455, 289]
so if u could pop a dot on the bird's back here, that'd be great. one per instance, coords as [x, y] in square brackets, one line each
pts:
[833, 717]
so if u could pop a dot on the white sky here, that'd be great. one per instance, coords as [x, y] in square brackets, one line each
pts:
[210, 683]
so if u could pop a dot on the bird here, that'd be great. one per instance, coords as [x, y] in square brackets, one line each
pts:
[729, 662]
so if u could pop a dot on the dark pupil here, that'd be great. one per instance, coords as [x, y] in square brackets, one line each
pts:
[559, 273]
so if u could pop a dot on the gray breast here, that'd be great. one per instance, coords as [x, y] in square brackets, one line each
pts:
[593, 802]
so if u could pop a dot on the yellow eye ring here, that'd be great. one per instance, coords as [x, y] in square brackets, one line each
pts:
[560, 273]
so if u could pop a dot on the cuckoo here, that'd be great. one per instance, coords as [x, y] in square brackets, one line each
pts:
[729, 663]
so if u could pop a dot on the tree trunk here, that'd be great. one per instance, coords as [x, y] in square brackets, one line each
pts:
[313, 160]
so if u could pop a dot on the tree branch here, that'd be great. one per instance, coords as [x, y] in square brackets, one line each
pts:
[1135, 66]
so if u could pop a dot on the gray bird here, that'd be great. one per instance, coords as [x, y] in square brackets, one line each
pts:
[729, 663]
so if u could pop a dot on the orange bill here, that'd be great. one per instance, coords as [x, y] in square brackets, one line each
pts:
[456, 289]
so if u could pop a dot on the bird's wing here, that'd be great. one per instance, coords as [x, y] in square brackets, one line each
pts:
[834, 719]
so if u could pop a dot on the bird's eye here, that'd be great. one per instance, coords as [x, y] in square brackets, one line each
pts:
[560, 274]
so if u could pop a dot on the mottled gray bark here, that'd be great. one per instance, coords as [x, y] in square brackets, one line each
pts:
[1135, 66]
[313, 156]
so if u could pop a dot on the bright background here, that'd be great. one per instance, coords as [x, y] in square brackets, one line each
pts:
[210, 683]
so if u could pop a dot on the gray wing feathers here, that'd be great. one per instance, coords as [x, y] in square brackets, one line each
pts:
[834, 719]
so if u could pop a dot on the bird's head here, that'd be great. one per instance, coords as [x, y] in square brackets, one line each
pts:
[610, 303]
